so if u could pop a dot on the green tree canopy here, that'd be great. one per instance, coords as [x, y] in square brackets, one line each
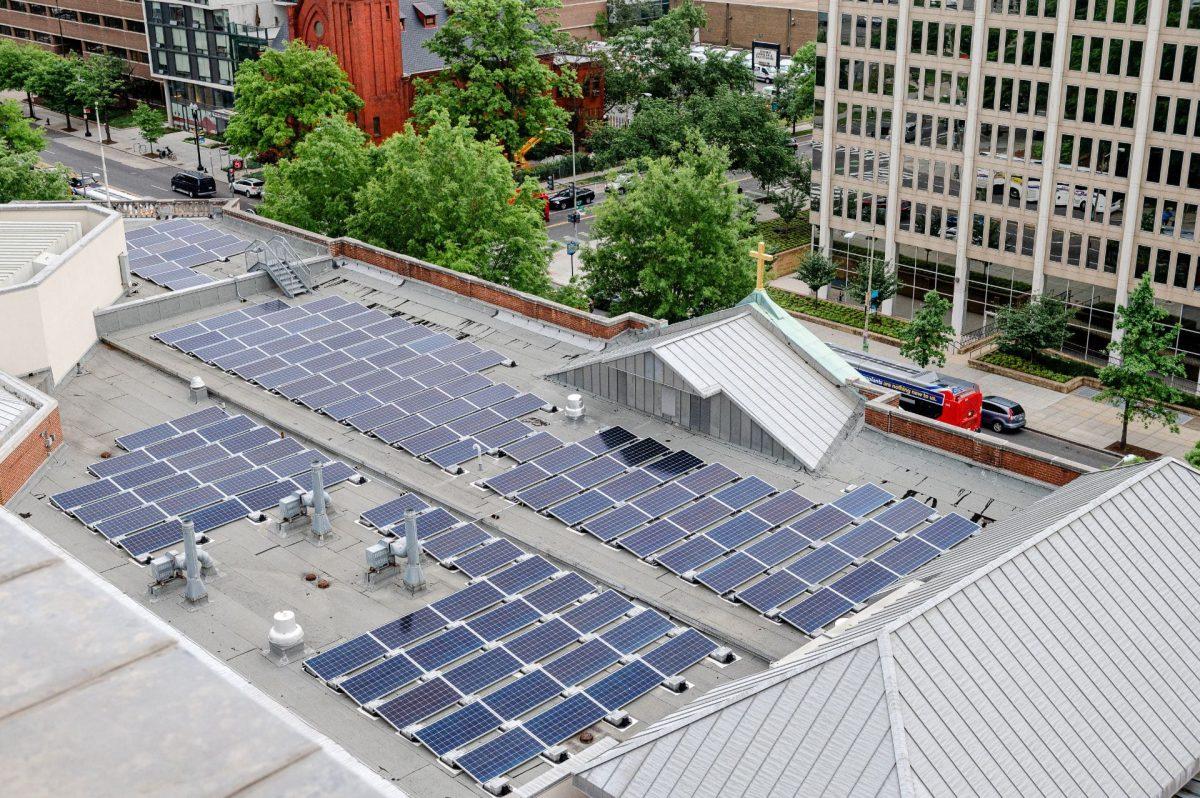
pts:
[19, 64]
[675, 244]
[927, 336]
[1141, 363]
[21, 179]
[795, 86]
[1025, 330]
[151, 122]
[16, 132]
[816, 270]
[881, 276]
[54, 81]
[446, 197]
[282, 95]
[790, 197]
[493, 78]
[315, 189]
[100, 82]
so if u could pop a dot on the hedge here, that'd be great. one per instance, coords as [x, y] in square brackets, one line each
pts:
[778, 236]
[1047, 366]
[836, 312]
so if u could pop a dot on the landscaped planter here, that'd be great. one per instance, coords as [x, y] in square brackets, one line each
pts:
[1062, 387]
[874, 336]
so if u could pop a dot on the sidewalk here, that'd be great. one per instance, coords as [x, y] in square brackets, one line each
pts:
[1074, 416]
[127, 145]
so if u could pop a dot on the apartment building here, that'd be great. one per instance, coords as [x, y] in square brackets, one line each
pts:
[994, 149]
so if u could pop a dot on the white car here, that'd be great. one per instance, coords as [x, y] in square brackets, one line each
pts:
[247, 186]
[1029, 193]
[89, 187]
[618, 183]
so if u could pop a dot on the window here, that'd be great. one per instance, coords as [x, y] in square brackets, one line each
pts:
[1071, 102]
[1154, 164]
[1076, 57]
[1089, 105]
[375, 129]
[1010, 46]
[1183, 109]
[1193, 180]
[1028, 48]
[1095, 54]
[1128, 109]
[1115, 47]
[1183, 266]
[1109, 113]
[1066, 151]
[1166, 67]
[1162, 108]
[1100, 11]
[993, 43]
[964, 42]
[1133, 64]
[1175, 168]
[914, 45]
[1046, 56]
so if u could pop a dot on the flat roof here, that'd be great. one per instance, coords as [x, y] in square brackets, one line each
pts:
[137, 382]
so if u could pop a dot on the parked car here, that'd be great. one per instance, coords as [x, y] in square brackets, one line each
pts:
[1002, 415]
[619, 183]
[247, 186]
[91, 188]
[562, 199]
[194, 184]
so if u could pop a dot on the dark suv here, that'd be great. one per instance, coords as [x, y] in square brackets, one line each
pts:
[1002, 415]
[194, 184]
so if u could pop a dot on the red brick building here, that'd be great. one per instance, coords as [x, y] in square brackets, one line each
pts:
[383, 47]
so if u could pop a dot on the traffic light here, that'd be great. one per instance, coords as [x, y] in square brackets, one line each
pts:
[550, 182]
[574, 217]
[237, 163]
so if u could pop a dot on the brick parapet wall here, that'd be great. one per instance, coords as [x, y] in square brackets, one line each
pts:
[883, 414]
[29, 454]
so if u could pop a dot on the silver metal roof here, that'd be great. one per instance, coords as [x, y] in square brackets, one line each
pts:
[1052, 655]
[22, 242]
[13, 410]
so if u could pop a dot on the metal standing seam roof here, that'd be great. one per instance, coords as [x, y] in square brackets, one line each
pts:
[13, 410]
[1052, 655]
[23, 242]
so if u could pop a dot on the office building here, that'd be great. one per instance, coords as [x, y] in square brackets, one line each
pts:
[1030, 125]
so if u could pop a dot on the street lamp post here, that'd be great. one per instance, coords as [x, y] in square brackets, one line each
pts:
[867, 296]
[196, 119]
[103, 162]
[574, 218]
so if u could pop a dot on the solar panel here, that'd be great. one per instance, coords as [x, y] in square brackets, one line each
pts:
[504, 620]
[595, 472]
[272, 380]
[244, 328]
[655, 537]
[159, 536]
[355, 405]
[84, 494]
[708, 478]
[607, 440]
[245, 481]
[218, 469]
[489, 558]
[428, 441]
[743, 493]
[907, 556]
[446, 647]
[777, 547]
[863, 539]
[334, 472]
[270, 306]
[626, 487]
[821, 523]
[863, 582]
[143, 475]
[249, 440]
[170, 337]
[515, 479]
[526, 573]
[597, 612]
[410, 397]
[699, 515]
[563, 459]
[679, 653]
[455, 542]
[252, 371]
[478, 421]
[217, 515]
[295, 464]
[663, 500]
[503, 434]
[367, 349]
[486, 396]
[638, 632]
[238, 359]
[403, 428]
[458, 728]
[194, 458]
[270, 452]
[565, 719]
[674, 464]
[259, 337]
[418, 703]
[690, 555]
[92, 512]
[379, 416]
[817, 611]
[324, 304]
[780, 508]
[304, 385]
[534, 446]
[905, 515]
[731, 572]
[190, 345]
[613, 524]
[581, 507]
[324, 332]
[409, 334]
[226, 347]
[174, 446]
[738, 530]
[863, 500]
[483, 671]
[190, 500]
[448, 411]
[542, 640]
[267, 496]
[580, 663]
[439, 375]
[456, 453]
[410, 367]
[774, 591]
[137, 440]
[225, 319]
[637, 453]
[379, 680]
[559, 593]
[468, 601]
[542, 495]
[392, 511]
[392, 324]
[130, 521]
[176, 483]
[115, 465]
[948, 531]
[499, 755]
[630, 682]
[820, 564]
[408, 628]
[226, 429]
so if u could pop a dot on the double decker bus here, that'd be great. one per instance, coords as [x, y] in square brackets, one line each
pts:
[924, 392]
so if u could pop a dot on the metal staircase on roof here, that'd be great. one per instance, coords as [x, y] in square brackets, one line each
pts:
[278, 258]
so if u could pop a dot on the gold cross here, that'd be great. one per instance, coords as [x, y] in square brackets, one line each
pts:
[763, 259]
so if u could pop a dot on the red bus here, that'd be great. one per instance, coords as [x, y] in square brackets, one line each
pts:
[926, 393]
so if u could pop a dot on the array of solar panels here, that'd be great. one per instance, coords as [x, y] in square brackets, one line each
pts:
[208, 466]
[533, 630]
[735, 535]
[409, 386]
[165, 253]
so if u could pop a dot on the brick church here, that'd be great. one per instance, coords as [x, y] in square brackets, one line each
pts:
[383, 46]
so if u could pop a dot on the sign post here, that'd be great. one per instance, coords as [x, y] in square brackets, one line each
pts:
[765, 57]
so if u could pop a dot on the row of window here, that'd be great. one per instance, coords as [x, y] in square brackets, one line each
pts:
[1176, 123]
[882, 33]
[1028, 8]
[932, 85]
[90, 47]
[1011, 143]
[1090, 252]
[1099, 109]
[858, 120]
[1161, 216]
[933, 176]
[1111, 11]
[70, 15]
[935, 38]
[1035, 48]
[861, 164]
[1187, 62]
[870, 77]
[1166, 166]
[1100, 156]
[1087, 55]
[937, 132]
[1161, 261]
[1015, 96]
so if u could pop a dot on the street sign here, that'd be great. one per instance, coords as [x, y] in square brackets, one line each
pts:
[572, 246]
[765, 54]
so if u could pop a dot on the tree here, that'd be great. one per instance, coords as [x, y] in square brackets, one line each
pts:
[18, 65]
[1025, 330]
[927, 336]
[493, 77]
[151, 123]
[790, 197]
[1193, 456]
[282, 95]
[22, 180]
[16, 132]
[674, 245]
[315, 188]
[816, 270]
[1141, 363]
[54, 83]
[659, 128]
[744, 123]
[795, 86]
[99, 83]
[881, 276]
[445, 197]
